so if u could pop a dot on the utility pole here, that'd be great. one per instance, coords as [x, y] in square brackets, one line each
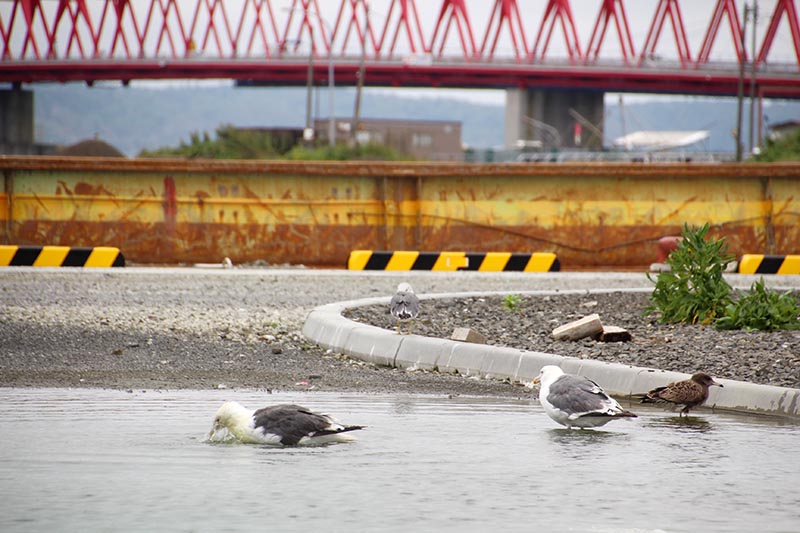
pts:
[740, 91]
[753, 67]
[308, 133]
[360, 76]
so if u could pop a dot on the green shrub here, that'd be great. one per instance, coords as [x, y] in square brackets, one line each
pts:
[512, 302]
[234, 143]
[342, 152]
[694, 289]
[762, 308]
[786, 148]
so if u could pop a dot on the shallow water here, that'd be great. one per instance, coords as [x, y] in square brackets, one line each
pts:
[92, 460]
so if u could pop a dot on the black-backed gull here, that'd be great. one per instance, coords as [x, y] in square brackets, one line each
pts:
[576, 401]
[284, 424]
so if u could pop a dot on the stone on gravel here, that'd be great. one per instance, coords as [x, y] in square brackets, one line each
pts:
[468, 335]
[614, 334]
[588, 326]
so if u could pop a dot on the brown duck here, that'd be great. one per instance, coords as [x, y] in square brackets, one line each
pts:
[690, 392]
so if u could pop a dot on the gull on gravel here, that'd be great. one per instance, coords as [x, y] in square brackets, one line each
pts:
[404, 305]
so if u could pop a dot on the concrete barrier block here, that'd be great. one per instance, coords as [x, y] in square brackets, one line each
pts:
[374, 345]
[743, 396]
[503, 363]
[464, 358]
[328, 329]
[531, 364]
[648, 379]
[615, 378]
[420, 352]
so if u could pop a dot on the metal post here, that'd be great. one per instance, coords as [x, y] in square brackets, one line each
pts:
[310, 84]
[332, 116]
[740, 90]
[331, 85]
[753, 67]
[360, 77]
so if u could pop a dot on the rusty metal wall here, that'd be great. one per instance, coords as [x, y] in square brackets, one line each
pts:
[174, 211]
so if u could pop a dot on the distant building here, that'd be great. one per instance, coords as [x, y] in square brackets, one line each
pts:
[427, 140]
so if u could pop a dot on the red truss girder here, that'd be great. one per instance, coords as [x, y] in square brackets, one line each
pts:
[783, 7]
[723, 7]
[71, 30]
[504, 11]
[557, 10]
[667, 9]
[408, 17]
[611, 9]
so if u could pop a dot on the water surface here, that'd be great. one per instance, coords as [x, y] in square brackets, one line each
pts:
[94, 460]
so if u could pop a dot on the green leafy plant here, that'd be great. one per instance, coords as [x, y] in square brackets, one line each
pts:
[234, 143]
[694, 289]
[762, 308]
[512, 302]
[786, 148]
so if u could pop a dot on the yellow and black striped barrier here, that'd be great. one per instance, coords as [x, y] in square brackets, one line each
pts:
[61, 256]
[769, 264]
[451, 261]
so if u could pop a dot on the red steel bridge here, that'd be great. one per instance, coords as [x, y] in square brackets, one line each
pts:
[604, 45]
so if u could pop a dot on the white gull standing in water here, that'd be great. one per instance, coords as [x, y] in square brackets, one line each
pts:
[576, 401]
[285, 424]
[404, 305]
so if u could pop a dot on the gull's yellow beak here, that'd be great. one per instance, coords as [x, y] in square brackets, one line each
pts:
[213, 432]
[536, 380]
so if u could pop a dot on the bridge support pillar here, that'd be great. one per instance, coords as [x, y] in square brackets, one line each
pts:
[556, 118]
[16, 121]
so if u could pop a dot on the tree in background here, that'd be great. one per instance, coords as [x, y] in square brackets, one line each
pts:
[787, 148]
[235, 143]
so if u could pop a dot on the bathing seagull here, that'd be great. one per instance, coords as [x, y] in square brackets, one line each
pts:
[690, 392]
[404, 305]
[279, 424]
[575, 400]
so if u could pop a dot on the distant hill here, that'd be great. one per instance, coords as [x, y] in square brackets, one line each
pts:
[136, 118]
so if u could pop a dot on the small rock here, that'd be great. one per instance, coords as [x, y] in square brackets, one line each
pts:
[614, 334]
[588, 326]
[468, 335]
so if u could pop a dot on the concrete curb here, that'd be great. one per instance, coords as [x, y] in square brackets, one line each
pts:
[326, 326]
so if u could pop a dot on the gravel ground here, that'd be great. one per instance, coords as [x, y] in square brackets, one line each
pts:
[198, 328]
[754, 356]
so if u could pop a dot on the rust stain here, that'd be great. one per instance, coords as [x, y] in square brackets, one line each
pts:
[87, 189]
[170, 203]
[63, 185]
